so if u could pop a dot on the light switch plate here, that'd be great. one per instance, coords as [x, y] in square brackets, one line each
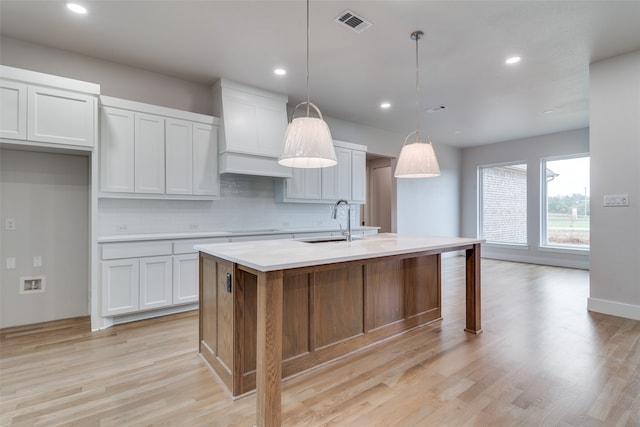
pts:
[11, 263]
[10, 224]
[615, 200]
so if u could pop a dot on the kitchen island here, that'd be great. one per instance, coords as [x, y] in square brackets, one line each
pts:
[272, 309]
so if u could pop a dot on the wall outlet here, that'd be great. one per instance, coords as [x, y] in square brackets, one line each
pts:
[194, 226]
[37, 261]
[32, 285]
[123, 227]
[11, 263]
[10, 224]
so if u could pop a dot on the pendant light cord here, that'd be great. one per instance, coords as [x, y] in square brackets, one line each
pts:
[417, 37]
[308, 32]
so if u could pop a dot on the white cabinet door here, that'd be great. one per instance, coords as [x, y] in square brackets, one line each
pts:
[359, 177]
[205, 160]
[60, 117]
[117, 150]
[336, 180]
[149, 154]
[295, 184]
[179, 156]
[13, 110]
[306, 184]
[313, 184]
[155, 282]
[120, 286]
[185, 278]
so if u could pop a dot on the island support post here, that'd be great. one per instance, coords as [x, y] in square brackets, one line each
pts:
[269, 349]
[473, 290]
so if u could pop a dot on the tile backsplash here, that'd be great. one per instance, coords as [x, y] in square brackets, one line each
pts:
[246, 203]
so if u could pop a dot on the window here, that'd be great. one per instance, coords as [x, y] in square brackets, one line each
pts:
[565, 202]
[503, 203]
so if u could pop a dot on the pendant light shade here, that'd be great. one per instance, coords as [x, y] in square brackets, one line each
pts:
[417, 158]
[307, 141]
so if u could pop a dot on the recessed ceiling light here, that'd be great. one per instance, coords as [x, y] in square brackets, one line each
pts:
[513, 60]
[458, 132]
[74, 7]
[385, 105]
[549, 111]
[279, 71]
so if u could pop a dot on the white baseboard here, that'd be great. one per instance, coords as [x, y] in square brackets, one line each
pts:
[614, 308]
[150, 314]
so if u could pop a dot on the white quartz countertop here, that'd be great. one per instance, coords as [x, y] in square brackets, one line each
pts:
[271, 255]
[231, 233]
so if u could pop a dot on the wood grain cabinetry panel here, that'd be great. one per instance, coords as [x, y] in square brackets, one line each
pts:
[338, 303]
[384, 293]
[208, 305]
[295, 320]
[422, 279]
[225, 321]
[248, 285]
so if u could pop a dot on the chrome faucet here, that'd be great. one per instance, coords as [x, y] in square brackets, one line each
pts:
[347, 233]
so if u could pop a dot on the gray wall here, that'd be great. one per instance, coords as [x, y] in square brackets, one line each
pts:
[615, 163]
[48, 195]
[431, 206]
[115, 80]
[530, 151]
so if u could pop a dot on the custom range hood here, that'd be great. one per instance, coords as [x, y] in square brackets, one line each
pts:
[253, 125]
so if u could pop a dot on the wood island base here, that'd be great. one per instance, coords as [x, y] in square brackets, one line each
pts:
[273, 309]
[328, 311]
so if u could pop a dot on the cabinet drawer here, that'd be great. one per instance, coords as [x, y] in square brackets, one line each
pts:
[135, 250]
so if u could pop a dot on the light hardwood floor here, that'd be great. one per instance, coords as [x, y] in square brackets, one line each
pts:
[543, 360]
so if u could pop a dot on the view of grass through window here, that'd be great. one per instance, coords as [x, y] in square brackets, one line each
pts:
[504, 203]
[566, 211]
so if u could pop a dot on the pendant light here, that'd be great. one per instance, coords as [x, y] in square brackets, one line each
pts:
[417, 158]
[307, 142]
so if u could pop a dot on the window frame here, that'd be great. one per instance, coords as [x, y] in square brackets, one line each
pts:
[544, 244]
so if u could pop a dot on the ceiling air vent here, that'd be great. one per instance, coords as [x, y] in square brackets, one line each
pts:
[353, 21]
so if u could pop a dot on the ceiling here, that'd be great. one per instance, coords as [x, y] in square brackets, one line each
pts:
[461, 56]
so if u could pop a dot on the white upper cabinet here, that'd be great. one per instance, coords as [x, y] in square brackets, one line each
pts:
[253, 126]
[336, 180]
[117, 150]
[157, 152]
[346, 180]
[149, 154]
[40, 109]
[205, 160]
[179, 152]
[13, 110]
[358, 177]
[305, 184]
[60, 117]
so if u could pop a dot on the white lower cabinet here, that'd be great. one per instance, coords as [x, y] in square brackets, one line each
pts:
[130, 285]
[185, 278]
[155, 282]
[120, 286]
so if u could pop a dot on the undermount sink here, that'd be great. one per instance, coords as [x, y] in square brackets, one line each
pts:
[329, 239]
